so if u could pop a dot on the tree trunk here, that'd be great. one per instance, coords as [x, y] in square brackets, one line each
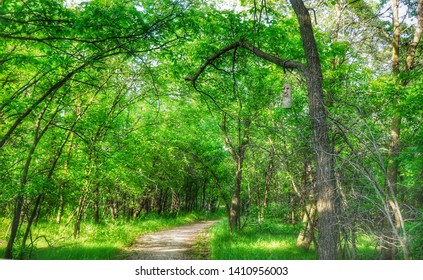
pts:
[38, 134]
[307, 232]
[388, 245]
[30, 221]
[389, 242]
[60, 209]
[175, 203]
[307, 198]
[15, 225]
[235, 212]
[267, 183]
[325, 183]
[238, 156]
[79, 212]
[96, 204]
[20, 199]
[203, 195]
[388, 248]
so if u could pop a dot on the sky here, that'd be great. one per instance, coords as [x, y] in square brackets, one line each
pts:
[235, 5]
[226, 4]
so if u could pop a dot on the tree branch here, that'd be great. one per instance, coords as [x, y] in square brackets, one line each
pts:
[286, 64]
[209, 61]
[51, 90]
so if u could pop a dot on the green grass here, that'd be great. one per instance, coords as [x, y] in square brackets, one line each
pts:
[367, 248]
[272, 241]
[96, 242]
[267, 241]
[106, 241]
[4, 223]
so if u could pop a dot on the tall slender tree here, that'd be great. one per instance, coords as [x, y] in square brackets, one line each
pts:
[392, 173]
[312, 71]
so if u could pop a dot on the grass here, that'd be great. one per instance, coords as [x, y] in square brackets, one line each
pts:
[267, 241]
[271, 241]
[4, 224]
[96, 242]
[367, 248]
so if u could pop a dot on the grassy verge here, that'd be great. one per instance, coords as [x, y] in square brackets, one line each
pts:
[97, 241]
[4, 223]
[270, 241]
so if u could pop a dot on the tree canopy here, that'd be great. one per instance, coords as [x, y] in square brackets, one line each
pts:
[113, 110]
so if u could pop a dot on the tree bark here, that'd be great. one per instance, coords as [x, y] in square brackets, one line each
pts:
[15, 225]
[267, 183]
[305, 237]
[79, 212]
[238, 154]
[65, 171]
[30, 221]
[96, 204]
[235, 212]
[325, 179]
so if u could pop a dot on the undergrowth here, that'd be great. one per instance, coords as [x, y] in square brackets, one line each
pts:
[265, 241]
[103, 241]
[270, 241]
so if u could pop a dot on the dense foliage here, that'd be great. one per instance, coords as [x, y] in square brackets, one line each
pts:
[98, 121]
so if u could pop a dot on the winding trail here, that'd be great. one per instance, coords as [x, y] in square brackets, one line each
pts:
[173, 244]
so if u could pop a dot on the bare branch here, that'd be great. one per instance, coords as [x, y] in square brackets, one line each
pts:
[286, 64]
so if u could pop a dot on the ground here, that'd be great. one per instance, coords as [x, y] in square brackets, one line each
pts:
[179, 243]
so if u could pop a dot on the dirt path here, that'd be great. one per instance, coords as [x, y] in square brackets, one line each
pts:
[173, 244]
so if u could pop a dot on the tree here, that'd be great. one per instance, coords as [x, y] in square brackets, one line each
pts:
[326, 191]
[61, 46]
[389, 247]
[97, 125]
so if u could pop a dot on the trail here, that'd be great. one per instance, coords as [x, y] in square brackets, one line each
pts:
[173, 244]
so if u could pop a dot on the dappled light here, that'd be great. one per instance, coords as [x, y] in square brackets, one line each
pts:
[296, 124]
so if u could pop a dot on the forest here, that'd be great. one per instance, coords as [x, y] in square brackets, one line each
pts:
[297, 118]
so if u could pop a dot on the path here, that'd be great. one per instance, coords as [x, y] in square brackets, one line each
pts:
[173, 244]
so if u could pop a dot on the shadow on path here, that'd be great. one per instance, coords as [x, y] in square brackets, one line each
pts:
[173, 244]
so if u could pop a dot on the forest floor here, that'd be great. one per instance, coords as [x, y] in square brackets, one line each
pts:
[187, 242]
